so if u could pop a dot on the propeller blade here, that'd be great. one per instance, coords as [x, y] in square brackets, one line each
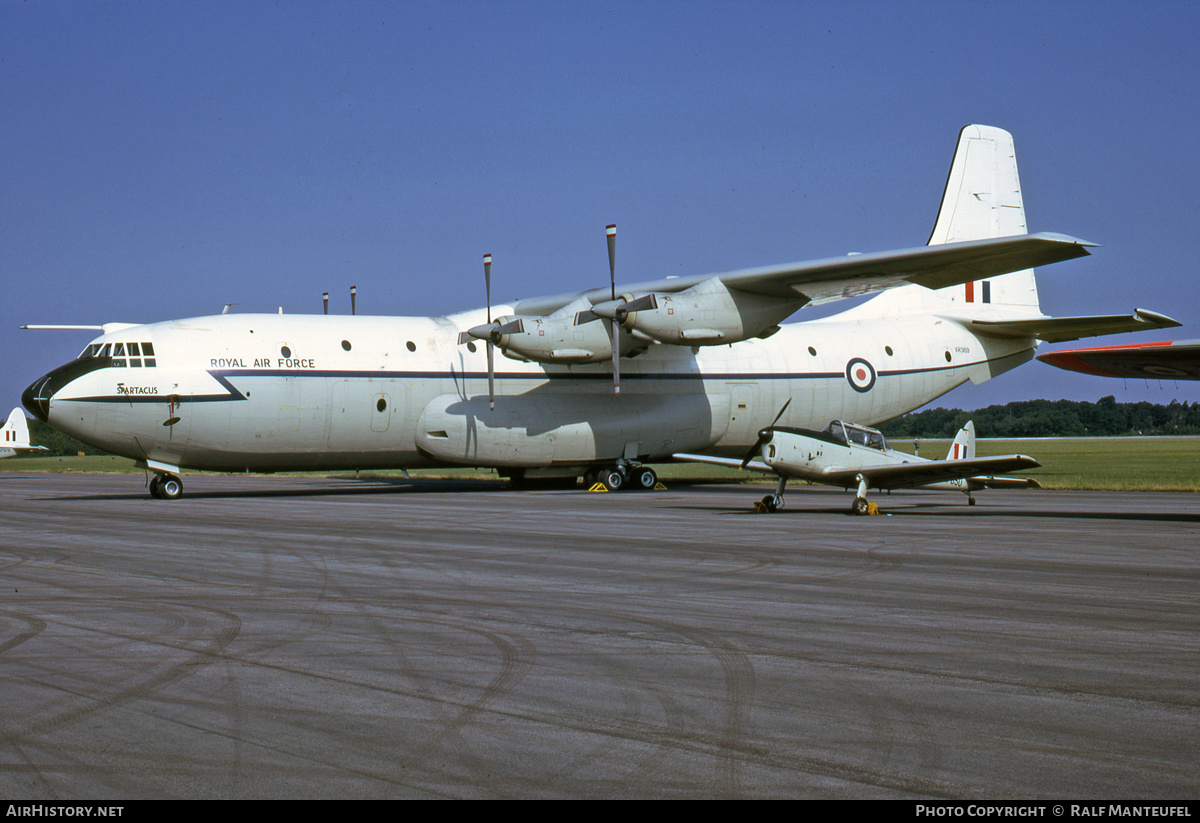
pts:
[487, 283]
[611, 231]
[491, 357]
[511, 327]
[491, 377]
[615, 327]
[781, 411]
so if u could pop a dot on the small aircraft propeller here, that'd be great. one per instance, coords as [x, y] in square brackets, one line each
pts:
[764, 435]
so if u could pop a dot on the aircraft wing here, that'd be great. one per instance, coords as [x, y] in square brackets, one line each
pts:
[1061, 329]
[906, 475]
[837, 278]
[728, 462]
[1178, 360]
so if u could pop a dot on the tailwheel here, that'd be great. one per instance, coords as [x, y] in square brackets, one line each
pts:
[166, 487]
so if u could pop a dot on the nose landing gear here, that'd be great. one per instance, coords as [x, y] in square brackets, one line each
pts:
[166, 487]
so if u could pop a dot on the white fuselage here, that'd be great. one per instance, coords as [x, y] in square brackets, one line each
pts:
[245, 392]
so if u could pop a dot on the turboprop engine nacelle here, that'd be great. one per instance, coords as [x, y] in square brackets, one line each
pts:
[707, 314]
[554, 338]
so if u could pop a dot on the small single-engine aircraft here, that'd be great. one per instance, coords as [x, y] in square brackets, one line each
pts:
[858, 457]
[15, 436]
[1168, 360]
[597, 382]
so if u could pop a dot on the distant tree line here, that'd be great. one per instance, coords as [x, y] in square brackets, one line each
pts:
[58, 443]
[1053, 418]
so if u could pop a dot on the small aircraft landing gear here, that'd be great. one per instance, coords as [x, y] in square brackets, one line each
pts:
[772, 502]
[166, 487]
[860, 506]
[970, 500]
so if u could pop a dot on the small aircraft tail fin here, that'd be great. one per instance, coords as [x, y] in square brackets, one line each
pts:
[963, 447]
[16, 431]
[982, 200]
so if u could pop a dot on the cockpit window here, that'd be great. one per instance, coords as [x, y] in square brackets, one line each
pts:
[858, 435]
[134, 355]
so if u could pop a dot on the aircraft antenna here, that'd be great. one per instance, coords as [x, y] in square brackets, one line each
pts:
[353, 295]
[326, 299]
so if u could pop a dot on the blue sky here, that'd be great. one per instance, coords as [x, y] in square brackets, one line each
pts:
[158, 160]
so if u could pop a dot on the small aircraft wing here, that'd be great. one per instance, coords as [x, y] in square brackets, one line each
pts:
[905, 475]
[837, 278]
[728, 462]
[1178, 360]
[1062, 329]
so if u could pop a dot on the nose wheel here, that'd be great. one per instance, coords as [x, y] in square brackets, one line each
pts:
[166, 487]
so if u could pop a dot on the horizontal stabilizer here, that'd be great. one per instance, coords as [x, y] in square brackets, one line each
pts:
[1179, 360]
[976, 483]
[1060, 329]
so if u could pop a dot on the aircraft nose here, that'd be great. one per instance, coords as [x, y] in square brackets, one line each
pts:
[36, 398]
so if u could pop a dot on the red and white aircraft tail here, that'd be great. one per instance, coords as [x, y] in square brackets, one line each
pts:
[963, 447]
[15, 435]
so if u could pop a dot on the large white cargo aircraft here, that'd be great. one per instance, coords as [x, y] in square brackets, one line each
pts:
[701, 364]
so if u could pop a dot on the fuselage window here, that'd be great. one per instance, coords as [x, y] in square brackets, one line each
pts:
[148, 354]
[812, 351]
[346, 345]
[285, 351]
[888, 349]
[119, 355]
[411, 346]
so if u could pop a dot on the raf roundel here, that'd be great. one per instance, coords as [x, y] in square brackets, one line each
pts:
[861, 375]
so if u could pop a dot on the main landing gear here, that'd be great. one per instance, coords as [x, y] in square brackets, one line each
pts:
[772, 502]
[166, 486]
[624, 475]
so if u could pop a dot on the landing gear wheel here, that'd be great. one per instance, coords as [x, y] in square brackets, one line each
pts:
[613, 479]
[859, 506]
[970, 500]
[166, 487]
[772, 502]
[644, 479]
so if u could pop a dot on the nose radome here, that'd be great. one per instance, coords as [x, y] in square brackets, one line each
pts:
[37, 399]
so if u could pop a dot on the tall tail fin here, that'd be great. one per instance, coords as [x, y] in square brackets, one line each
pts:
[16, 431]
[982, 200]
[963, 447]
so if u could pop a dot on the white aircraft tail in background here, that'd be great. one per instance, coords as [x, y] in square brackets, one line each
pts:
[16, 435]
[963, 447]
